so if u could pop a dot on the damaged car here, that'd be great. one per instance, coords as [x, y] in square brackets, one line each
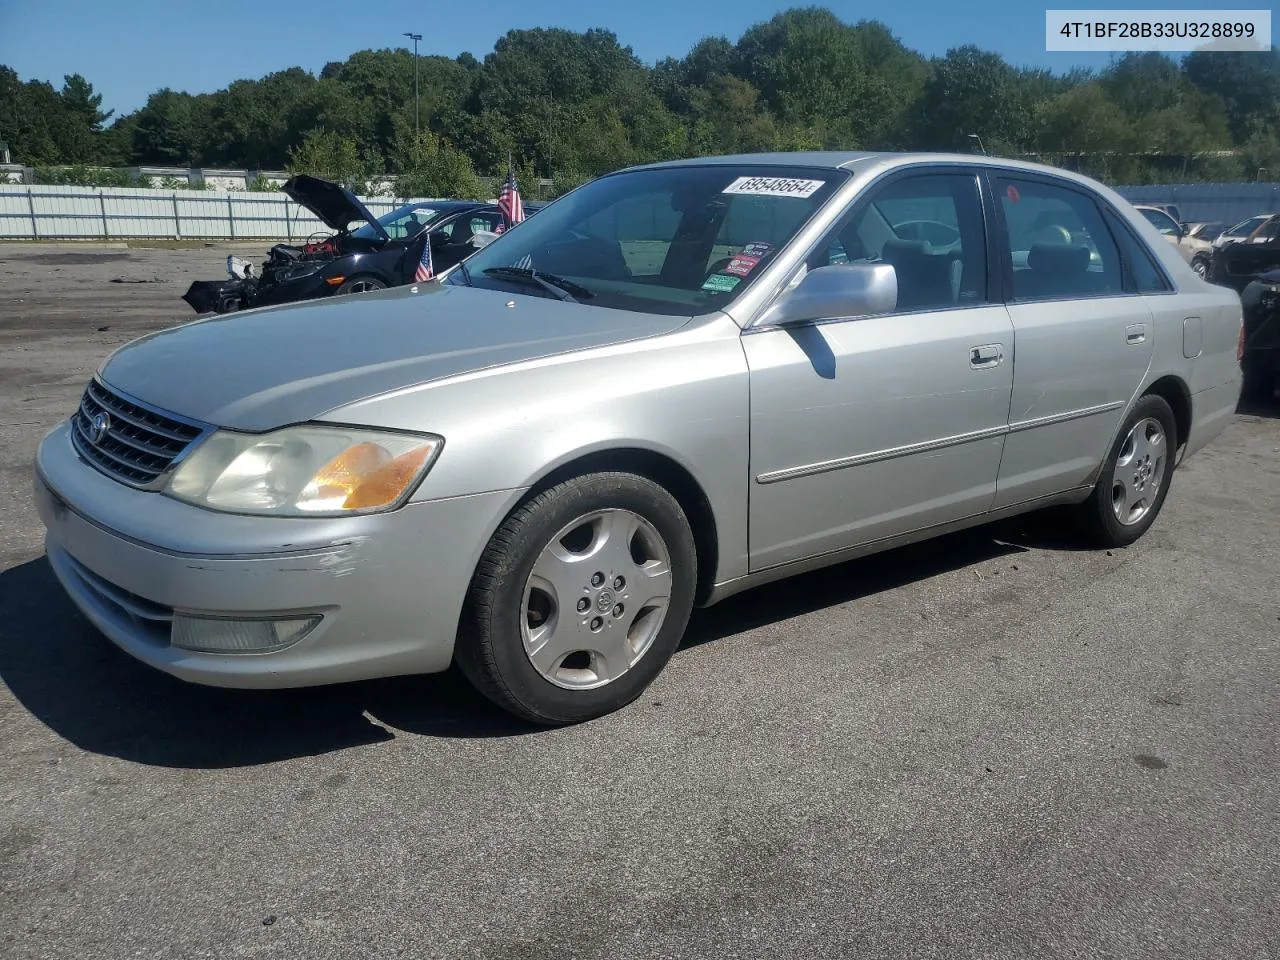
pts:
[365, 253]
[1238, 264]
[1260, 351]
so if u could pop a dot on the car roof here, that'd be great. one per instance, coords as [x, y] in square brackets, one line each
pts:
[860, 161]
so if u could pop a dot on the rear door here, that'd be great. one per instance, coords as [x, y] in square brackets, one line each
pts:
[1084, 336]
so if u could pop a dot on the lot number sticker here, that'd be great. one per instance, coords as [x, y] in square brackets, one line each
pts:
[774, 186]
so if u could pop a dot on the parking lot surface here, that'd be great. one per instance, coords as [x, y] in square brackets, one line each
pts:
[993, 745]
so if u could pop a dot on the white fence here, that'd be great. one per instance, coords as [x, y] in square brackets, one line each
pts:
[113, 213]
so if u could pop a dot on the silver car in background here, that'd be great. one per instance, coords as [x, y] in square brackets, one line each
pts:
[675, 383]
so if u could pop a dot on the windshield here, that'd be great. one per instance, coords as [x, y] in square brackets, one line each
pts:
[676, 240]
[401, 223]
[1246, 227]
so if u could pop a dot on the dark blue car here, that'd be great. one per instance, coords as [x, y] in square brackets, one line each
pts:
[365, 253]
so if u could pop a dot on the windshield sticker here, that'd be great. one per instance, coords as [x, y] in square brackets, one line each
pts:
[757, 249]
[740, 266]
[774, 187]
[719, 283]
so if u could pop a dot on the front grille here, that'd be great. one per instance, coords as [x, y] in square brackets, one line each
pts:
[140, 443]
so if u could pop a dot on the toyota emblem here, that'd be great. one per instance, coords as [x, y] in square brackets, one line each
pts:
[98, 428]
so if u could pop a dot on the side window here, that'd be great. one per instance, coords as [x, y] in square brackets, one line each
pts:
[1268, 232]
[1059, 245]
[1245, 227]
[1161, 222]
[1146, 272]
[929, 228]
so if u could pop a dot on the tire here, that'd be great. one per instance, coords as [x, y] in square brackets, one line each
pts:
[1258, 385]
[524, 646]
[360, 285]
[1201, 267]
[1098, 519]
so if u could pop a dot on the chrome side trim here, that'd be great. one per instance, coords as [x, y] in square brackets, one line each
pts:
[1093, 411]
[875, 456]
[826, 466]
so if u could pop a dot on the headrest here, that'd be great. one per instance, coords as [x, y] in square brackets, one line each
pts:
[1058, 257]
[900, 250]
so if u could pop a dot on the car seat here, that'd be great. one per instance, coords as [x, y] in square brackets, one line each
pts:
[925, 279]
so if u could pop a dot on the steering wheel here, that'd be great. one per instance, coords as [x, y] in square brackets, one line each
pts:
[933, 232]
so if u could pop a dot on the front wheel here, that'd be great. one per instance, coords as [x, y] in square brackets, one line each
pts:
[1135, 476]
[1201, 267]
[580, 599]
[361, 285]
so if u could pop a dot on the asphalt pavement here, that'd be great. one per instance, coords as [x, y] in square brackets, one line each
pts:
[994, 745]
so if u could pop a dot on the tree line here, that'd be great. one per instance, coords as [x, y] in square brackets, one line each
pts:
[568, 106]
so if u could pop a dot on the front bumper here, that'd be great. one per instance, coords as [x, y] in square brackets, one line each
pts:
[389, 588]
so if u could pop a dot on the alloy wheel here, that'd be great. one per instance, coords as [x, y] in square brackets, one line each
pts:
[596, 599]
[1139, 471]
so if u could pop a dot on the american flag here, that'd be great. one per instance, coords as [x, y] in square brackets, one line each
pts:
[425, 269]
[509, 200]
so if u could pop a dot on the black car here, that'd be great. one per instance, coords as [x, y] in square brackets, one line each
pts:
[1261, 358]
[1238, 264]
[378, 253]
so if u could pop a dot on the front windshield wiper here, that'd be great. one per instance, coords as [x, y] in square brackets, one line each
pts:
[562, 288]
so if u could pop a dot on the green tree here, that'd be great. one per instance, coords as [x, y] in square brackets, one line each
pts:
[429, 166]
[968, 91]
[331, 156]
[1246, 83]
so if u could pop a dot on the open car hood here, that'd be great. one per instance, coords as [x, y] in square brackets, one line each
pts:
[333, 203]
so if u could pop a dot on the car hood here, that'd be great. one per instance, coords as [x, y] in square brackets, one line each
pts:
[334, 204]
[262, 369]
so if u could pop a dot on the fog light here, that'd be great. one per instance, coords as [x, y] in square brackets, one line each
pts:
[207, 635]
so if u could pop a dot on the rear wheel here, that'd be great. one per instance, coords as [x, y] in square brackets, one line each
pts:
[1135, 477]
[361, 285]
[580, 599]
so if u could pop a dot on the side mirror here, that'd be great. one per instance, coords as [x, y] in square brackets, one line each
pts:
[839, 290]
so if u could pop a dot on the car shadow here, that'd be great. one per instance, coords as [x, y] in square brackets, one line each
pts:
[84, 689]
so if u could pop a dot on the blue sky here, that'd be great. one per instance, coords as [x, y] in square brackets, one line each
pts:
[128, 48]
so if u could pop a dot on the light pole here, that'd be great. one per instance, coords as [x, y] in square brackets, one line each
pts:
[415, 37]
[974, 136]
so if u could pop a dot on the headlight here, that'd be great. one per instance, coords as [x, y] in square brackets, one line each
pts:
[305, 471]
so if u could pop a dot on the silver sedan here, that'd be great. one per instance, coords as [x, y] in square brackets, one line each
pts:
[677, 382]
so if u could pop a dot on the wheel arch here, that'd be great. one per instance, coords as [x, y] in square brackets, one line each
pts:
[366, 273]
[663, 470]
[1173, 389]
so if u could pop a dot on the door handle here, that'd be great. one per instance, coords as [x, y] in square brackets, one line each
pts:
[987, 355]
[1135, 333]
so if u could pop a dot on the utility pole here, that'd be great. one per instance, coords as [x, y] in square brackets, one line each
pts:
[974, 136]
[415, 37]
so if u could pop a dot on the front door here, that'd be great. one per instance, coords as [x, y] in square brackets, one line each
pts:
[863, 428]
